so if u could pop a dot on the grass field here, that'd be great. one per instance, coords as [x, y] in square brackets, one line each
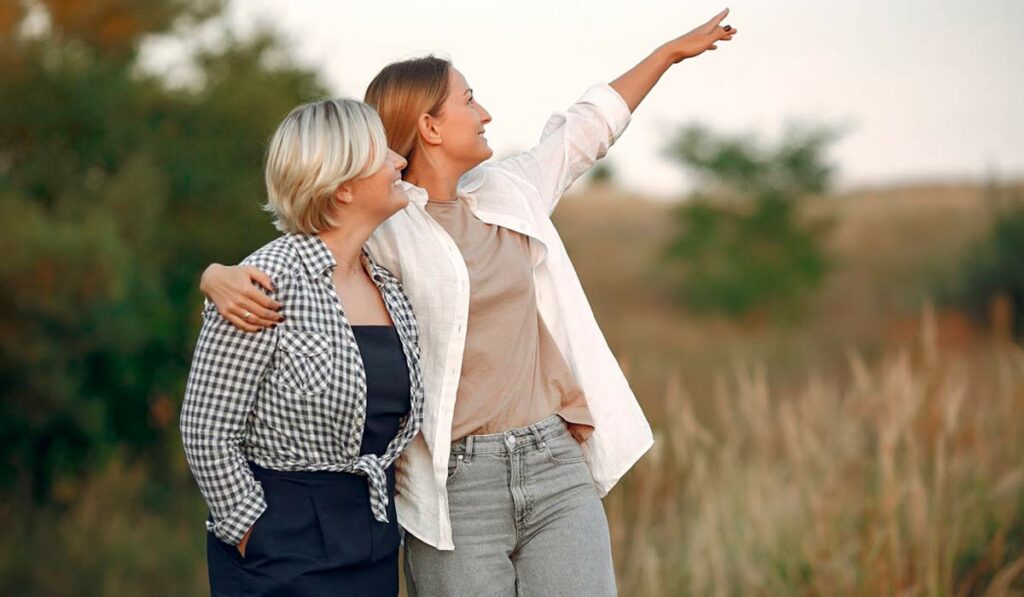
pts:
[877, 448]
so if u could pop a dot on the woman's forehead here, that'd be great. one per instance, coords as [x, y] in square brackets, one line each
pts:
[458, 80]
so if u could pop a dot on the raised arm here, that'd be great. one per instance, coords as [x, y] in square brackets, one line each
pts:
[233, 290]
[573, 140]
[634, 85]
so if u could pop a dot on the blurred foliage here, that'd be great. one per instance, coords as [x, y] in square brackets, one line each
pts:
[118, 188]
[990, 282]
[742, 246]
[124, 533]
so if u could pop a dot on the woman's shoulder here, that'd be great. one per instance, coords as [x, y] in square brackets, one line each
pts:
[498, 176]
[278, 258]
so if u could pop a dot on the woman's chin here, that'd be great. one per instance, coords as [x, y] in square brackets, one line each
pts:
[399, 201]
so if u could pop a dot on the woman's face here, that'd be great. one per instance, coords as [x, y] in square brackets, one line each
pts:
[461, 124]
[379, 192]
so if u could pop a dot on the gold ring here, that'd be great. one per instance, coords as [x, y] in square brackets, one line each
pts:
[246, 315]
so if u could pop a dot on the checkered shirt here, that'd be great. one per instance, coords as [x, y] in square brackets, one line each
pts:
[292, 397]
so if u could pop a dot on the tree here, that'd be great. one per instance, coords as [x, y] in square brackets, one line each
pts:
[990, 282]
[117, 189]
[741, 246]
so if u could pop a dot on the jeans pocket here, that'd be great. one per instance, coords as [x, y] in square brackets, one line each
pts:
[563, 449]
[456, 462]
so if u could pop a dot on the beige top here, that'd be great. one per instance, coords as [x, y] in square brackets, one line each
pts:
[513, 373]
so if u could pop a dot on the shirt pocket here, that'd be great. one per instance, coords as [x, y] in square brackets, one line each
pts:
[305, 364]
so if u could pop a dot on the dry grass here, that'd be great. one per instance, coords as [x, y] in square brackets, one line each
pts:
[909, 480]
[871, 450]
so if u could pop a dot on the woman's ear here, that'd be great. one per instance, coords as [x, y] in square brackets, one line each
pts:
[427, 126]
[343, 194]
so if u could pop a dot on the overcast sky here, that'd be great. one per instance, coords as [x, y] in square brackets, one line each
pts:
[929, 89]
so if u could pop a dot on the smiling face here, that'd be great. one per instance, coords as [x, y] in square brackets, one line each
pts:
[460, 124]
[378, 194]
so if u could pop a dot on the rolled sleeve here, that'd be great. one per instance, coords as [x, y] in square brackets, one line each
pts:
[611, 106]
[571, 143]
[230, 528]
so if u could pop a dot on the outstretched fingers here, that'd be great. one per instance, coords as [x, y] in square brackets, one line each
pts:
[715, 20]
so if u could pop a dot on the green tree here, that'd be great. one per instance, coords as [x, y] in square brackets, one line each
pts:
[741, 244]
[991, 272]
[117, 188]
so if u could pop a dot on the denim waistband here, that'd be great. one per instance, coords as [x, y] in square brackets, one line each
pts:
[531, 436]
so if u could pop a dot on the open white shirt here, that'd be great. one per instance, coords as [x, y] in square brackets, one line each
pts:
[518, 193]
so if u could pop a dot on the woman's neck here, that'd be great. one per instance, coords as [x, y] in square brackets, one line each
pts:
[440, 181]
[346, 244]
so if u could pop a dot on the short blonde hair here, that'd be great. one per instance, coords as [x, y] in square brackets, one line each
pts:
[316, 148]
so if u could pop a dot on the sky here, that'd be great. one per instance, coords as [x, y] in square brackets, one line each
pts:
[924, 90]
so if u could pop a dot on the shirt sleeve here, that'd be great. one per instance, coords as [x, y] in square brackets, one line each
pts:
[227, 368]
[571, 143]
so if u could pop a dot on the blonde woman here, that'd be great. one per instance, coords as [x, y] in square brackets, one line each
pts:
[528, 418]
[291, 432]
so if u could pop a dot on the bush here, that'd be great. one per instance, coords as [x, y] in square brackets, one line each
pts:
[752, 254]
[990, 281]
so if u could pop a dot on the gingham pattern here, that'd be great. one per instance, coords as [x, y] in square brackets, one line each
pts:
[292, 397]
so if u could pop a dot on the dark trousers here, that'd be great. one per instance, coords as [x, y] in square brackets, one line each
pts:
[316, 537]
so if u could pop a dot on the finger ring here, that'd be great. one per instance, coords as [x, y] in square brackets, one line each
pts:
[728, 27]
[246, 315]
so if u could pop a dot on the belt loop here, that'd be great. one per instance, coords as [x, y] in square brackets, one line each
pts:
[469, 448]
[536, 435]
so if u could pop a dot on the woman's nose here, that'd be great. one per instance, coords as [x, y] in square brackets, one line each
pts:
[400, 162]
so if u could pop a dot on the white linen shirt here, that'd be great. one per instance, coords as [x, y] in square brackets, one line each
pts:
[518, 193]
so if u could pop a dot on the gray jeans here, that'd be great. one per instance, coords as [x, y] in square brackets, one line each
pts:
[526, 520]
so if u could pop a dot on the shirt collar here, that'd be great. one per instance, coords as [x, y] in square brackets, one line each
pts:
[470, 182]
[417, 195]
[318, 259]
[313, 253]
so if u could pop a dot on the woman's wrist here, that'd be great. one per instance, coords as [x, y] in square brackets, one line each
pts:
[666, 56]
[204, 280]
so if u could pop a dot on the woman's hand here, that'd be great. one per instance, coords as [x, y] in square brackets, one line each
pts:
[231, 290]
[701, 39]
[245, 541]
[637, 82]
